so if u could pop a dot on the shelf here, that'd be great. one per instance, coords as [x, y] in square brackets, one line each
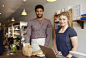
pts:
[56, 15]
[16, 29]
[16, 25]
[81, 22]
[55, 29]
[57, 22]
[10, 29]
[16, 33]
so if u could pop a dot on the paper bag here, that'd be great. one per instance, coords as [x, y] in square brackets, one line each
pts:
[27, 49]
[38, 52]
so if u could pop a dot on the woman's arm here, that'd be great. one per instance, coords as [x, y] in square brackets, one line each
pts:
[55, 47]
[74, 41]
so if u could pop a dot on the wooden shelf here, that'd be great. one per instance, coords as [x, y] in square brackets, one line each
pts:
[16, 33]
[16, 25]
[16, 29]
[55, 29]
[10, 29]
[56, 15]
[57, 22]
[81, 22]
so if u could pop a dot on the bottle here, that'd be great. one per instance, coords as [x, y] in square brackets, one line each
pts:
[13, 48]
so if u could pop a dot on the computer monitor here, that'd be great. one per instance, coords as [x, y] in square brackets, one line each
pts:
[49, 53]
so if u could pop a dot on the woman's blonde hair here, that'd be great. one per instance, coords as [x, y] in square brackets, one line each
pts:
[68, 15]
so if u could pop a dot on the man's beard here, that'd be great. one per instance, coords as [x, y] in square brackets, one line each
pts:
[40, 16]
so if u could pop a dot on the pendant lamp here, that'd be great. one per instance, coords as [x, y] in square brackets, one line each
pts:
[24, 12]
[51, 0]
[12, 19]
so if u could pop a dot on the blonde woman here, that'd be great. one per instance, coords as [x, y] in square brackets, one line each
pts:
[66, 37]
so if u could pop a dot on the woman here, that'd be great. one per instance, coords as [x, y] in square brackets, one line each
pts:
[66, 37]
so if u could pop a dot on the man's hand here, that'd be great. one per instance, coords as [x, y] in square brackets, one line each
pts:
[58, 53]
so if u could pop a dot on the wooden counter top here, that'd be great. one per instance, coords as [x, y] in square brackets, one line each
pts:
[17, 55]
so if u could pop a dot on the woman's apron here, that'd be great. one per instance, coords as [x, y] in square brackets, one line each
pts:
[61, 42]
[36, 42]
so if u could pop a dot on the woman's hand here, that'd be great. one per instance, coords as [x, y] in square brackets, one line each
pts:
[58, 53]
[69, 56]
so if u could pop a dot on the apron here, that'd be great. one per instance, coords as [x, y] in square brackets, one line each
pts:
[61, 42]
[36, 42]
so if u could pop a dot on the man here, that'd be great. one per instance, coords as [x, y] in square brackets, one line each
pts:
[39, 29]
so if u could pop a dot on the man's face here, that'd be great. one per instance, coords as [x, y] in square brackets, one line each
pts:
[39, 13]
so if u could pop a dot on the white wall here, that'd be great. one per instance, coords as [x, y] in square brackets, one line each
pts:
[51, 8]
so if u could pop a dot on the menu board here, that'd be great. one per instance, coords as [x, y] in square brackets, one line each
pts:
[77, 11]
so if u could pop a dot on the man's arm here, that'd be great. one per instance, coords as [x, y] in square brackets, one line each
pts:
[28, 33]
[48, 34]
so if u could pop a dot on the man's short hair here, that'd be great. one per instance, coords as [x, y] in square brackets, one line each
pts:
[39, 6]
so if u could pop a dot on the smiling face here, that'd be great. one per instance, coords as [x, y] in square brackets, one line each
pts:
[39, 12]
[63, 20]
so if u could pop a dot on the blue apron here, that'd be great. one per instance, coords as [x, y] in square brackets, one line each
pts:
[61, 42]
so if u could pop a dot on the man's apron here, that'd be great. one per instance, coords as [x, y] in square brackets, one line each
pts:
[36, 42]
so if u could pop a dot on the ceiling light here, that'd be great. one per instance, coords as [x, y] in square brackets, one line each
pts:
[2, 5]
[0, 13]
[24, 0]
[51, 0]
[24, 12]
[12, 19]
